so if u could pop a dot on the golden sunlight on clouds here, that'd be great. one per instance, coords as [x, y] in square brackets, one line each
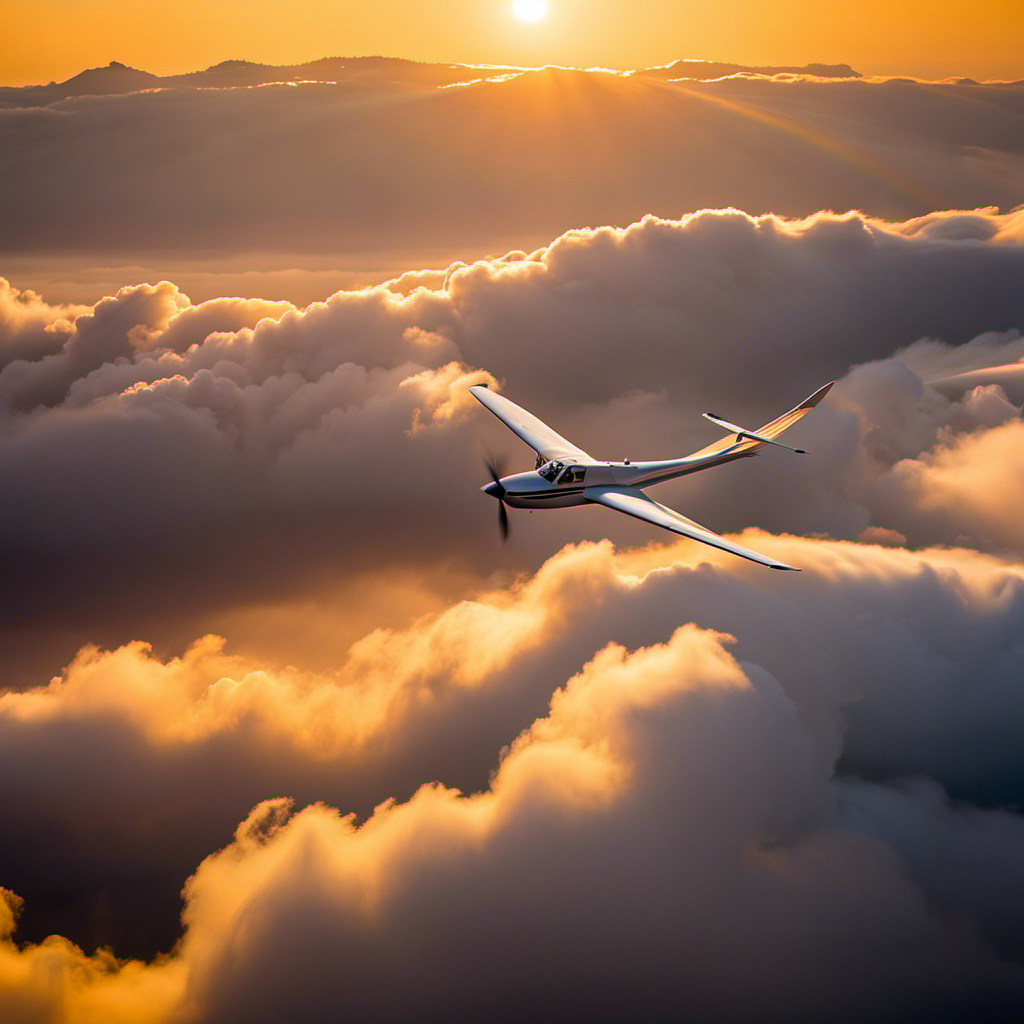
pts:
[677, 776]
[581, 745]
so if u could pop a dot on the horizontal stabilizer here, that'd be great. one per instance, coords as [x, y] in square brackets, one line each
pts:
[747, 441]
[742, 432]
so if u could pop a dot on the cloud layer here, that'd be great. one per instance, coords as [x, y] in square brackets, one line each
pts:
[747, 786]
[216, 426]
[377, 164]
[640, 843]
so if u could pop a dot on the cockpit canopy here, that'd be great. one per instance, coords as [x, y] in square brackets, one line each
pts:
[559, 473]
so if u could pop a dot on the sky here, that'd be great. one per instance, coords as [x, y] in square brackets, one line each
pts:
[55, 39]
[288, 733]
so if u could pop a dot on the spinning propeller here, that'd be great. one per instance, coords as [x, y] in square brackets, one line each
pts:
[496, 490]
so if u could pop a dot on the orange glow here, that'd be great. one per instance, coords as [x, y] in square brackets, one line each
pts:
[50, 39]
[827, 144]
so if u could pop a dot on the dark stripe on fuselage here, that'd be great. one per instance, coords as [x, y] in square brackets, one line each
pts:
[543, 495]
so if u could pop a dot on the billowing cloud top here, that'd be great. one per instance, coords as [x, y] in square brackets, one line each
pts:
[670, 793]
[153, 431]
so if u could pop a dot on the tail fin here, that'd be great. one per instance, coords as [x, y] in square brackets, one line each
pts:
[787, 419]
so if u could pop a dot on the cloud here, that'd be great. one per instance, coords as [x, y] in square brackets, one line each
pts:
[629, 780]
[158, 755]
[677, 804]
[218, 444]
[893, 453]
[968, 488]
[173, 468]
[30, 328]
[56, 981]
[312, 168]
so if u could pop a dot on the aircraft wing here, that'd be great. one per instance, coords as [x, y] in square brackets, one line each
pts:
[635, 503]
[535, 432]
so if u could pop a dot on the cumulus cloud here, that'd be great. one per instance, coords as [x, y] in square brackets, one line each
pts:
[624, 782]
[676, 828]
[290, 478]
[859, 649]
[31, 328]
[265, 450]
[968, 488]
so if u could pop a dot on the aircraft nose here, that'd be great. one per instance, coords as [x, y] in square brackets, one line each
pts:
[493, 489]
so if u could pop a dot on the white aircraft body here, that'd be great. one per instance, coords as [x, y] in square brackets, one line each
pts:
[566, 475]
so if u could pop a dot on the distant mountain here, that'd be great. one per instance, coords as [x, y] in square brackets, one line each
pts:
[113, 80]
[706, 70]
[383, 72]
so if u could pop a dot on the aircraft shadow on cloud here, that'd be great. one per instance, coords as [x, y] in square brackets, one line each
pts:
[566, 475]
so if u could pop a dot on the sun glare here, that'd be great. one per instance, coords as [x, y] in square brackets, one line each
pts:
[530, 10]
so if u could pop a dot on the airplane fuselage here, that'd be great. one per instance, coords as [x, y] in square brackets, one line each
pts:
[562, 483]
[531, 490]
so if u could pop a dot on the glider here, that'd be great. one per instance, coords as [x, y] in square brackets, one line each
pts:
[565, 475]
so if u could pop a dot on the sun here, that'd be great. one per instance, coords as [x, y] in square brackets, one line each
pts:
[530, 10]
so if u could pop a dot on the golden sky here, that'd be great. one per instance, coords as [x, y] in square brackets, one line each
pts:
[54, 39]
